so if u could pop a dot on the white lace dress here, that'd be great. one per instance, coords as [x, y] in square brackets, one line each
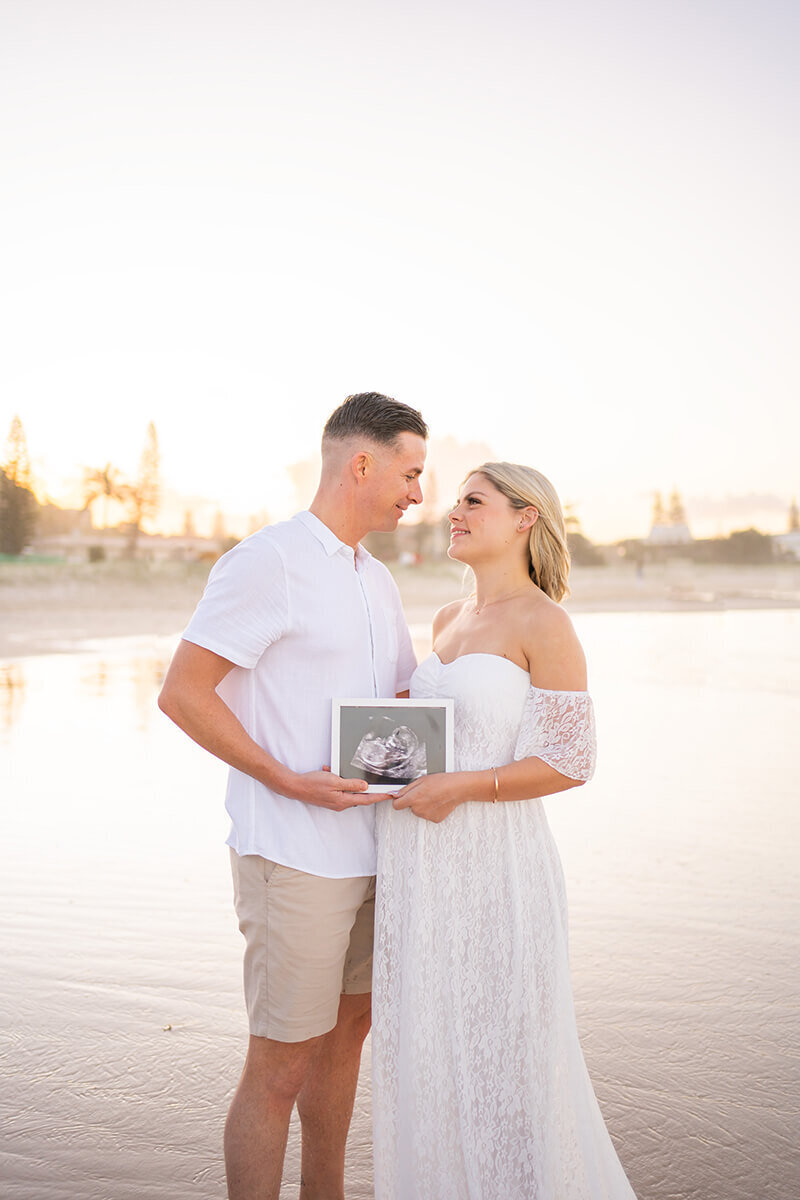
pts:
[480, 1088]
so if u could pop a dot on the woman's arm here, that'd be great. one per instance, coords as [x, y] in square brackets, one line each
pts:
[434, 797]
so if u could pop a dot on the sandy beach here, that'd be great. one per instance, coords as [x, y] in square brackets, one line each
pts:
[49, 608]
[121, 1010]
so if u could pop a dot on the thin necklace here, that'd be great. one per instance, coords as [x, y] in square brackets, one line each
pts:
[499, 599]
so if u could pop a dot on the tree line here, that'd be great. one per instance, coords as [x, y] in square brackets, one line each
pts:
[139, 497]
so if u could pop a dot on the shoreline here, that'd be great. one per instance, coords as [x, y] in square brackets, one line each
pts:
[62, 608]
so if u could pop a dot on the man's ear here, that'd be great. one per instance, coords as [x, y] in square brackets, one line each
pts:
[528, 517]
[360, 464]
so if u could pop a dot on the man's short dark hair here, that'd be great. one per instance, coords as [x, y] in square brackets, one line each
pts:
[377, 417]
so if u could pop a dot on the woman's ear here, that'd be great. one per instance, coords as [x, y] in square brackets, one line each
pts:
[528, 518]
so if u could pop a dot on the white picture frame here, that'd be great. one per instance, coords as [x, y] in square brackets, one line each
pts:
[390, 742]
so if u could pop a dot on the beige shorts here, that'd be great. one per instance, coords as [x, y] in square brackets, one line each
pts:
[308, 940]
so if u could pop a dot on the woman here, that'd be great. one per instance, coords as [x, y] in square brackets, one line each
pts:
[481, 1092]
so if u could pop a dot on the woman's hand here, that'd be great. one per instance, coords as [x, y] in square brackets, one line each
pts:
[433, 797]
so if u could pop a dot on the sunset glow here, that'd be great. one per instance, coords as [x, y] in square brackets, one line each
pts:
[566, 233]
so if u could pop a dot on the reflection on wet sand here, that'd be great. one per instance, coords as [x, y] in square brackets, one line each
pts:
[123, 1024]
[142, 673]
[147, 672]
[12, 693]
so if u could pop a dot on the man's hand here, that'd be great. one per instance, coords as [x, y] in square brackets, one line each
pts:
[433, 797]
[190, 698]
[326, 790]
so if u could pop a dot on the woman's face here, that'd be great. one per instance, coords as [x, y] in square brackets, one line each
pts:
[484, 524]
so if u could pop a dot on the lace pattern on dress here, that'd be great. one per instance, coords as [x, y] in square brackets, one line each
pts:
[481, 1091]
[559, 728]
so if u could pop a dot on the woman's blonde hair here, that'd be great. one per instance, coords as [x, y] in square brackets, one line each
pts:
[549, 558]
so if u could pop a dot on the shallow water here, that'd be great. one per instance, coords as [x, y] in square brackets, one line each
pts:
[123, 1025]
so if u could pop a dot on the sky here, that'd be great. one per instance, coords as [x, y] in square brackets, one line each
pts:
[566, 231]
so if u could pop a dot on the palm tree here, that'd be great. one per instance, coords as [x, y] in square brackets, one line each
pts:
[106, 484]
[144, 496]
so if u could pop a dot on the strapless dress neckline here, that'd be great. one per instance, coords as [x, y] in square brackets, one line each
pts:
[477, 654]
[500, 658]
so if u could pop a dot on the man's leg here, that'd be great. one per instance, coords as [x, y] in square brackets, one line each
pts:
[258, 1119]
[325, 1103]
[307, 938]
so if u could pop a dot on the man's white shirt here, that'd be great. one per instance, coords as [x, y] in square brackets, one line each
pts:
[304, 619]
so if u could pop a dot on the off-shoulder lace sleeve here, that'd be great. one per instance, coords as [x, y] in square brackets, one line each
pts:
[559, 728]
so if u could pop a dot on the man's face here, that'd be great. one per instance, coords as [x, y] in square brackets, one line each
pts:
[394, 480]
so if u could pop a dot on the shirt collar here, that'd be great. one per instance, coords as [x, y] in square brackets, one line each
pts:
[328, 539]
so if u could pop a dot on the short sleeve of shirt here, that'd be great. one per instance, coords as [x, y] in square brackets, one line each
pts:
[245, 605]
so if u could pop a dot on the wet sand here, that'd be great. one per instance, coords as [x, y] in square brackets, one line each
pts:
[120, 1002]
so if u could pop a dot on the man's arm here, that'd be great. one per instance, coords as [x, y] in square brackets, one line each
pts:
[189, 698]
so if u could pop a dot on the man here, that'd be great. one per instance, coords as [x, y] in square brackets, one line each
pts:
[295, 614]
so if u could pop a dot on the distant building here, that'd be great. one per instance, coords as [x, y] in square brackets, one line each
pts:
[788, 544]
[68, 534]
[669, 525]
[98, 545]
[54, 521]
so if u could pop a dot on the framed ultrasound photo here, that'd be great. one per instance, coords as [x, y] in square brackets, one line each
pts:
[391, 742]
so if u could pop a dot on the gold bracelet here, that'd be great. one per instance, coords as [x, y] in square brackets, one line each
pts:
[496, 785]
